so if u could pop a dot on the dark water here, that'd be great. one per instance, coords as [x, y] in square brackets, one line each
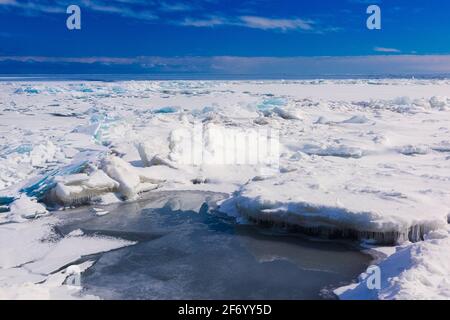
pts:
[187, 253]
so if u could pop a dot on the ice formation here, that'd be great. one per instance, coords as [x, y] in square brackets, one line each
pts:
[34, 259]
[414, 272]
[26, 208]
[360, 159]
[82, 188]
[131, 181]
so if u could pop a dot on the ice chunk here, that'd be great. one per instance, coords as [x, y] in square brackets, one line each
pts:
[342, 151]
[167, 110]
[26, 208]
[356, 120]
[41, 185]
[32, 255]
[81, 188]
[410, 150]
[90, 130]
[28, 90]
[402, 101]
[70, 249]
[42, 153]
[100, 212]
[121, 171]
[443, 146]
[204, 111]
[20, 149]
[270, 103]
[21, 161]
[131, 182]
[6, 200]
[76, 233]
[24, 285]
[439, 103]
[72, 179]
[118, 90]
[82, 88]
[108, 198]
[287, 114]
[261, 121]
[278, 106]
[160, 173]
[318, 205]
[322, 120]
[145, 154]
[158, 160]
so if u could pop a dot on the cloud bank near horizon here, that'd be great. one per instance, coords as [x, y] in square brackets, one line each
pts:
[233, 65]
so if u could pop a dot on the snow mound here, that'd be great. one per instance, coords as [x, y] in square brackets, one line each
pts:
[356, 120]
[419, 271]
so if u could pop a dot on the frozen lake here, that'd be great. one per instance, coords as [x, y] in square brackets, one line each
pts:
[199, 254]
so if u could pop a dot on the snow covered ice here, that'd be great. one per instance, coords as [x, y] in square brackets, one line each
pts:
[34, 259]
[367, 160]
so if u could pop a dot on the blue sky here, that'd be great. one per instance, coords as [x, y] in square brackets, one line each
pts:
[225, 36]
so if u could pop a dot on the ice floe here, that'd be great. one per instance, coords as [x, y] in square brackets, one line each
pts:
[35, 260]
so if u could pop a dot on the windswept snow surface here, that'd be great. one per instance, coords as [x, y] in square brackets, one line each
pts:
[360, 159]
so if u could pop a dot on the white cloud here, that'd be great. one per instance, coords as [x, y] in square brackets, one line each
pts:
[150, 11]
[211, 21]
[30, 7]
[280, 24]
[118, 7]
[8, 2]
[175, 7]
[253, 22]
[386, 50]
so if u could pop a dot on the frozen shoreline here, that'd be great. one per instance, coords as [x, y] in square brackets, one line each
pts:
[352, 158]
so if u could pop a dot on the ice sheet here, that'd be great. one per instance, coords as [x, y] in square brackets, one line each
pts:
[364, 156]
